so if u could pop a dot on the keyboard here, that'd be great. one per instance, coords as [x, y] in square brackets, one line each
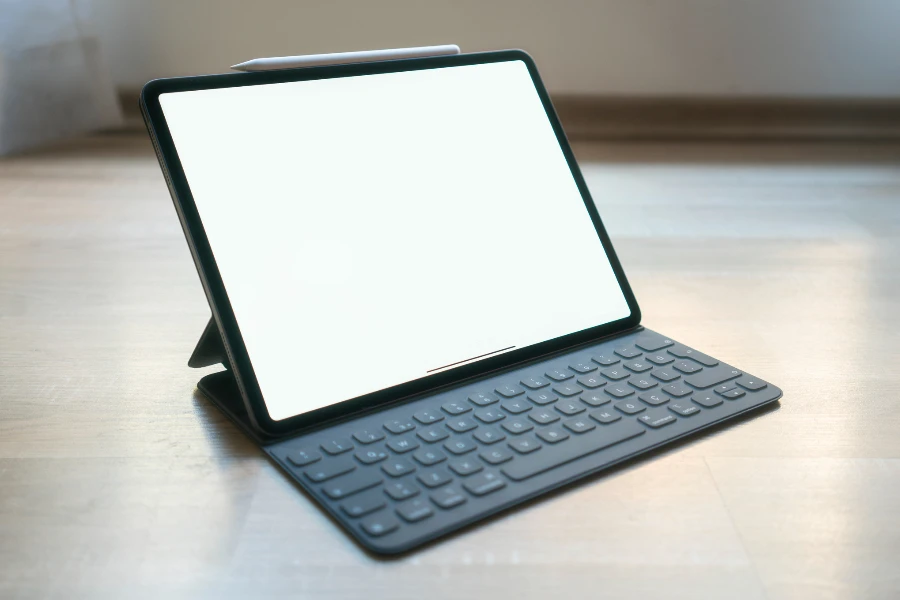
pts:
[412, 472]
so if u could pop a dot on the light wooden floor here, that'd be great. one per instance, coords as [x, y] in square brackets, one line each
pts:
[118, 481]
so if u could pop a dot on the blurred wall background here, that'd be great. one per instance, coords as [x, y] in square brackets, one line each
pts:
[729, 48]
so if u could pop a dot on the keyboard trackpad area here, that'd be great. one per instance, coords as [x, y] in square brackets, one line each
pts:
[552, 456]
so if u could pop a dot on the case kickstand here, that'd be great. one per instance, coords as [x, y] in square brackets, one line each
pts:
[209, 350]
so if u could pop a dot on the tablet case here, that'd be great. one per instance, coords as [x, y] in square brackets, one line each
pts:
[222, 391]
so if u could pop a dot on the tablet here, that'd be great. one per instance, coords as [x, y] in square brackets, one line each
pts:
[365, 233]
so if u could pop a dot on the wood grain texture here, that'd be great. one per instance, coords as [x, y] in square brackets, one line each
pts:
[117, 480]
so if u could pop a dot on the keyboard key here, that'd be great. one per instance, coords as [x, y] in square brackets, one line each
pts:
[461, 425]
[676, 389]
[380, 524]
[363, 504]
[604, 360]
[368, 436]
[448, 497]
[595, 399]
[398, 467]
[615, 373]
[604, 416]
[591, 381]
[434, 478]
[398, 427]
[542, 398]
[642, 383]
[524, 445]
[657, 418]
[428, 457]
[329, 469]
[567, 389]
[516, 406]
[516, 426]
[583, 367]
[684, 408]
[686, 367]
[558, 375]
[482, 399]
[721, 389]
[534, 383]
[509, 391]
[488, 435]
[659, 359]
[460, 446]
[711, 377]
[301, 458]
[638, 366]
[733, 394]
[654, 399]
[706, 400]
[414, 510]
[403, 445]
[682, 352]
[455, 408]
[627, 352]
[351, 484]
[373, 455]
[619, 390]
[432, 434]
[543, 416]
[427, 417]
[496, 456]
[479, 485]
[665, 375]
[751, 383]
[338, 446]
[551, 435]
[652, 344]
[630, 407]
[465, 467]
[400, 490]
[578, 425]
[570, 407]
[555, 455]
[489, 415]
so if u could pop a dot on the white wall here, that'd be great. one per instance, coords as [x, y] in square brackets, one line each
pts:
[656, 47]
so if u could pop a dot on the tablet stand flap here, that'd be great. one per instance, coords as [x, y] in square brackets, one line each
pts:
[209, 350]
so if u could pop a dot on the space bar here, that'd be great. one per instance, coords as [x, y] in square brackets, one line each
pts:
[550, 457]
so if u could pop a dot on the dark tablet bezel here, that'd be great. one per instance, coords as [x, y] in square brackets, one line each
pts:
[240, 362]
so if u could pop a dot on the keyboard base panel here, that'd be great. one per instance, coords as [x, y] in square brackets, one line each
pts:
[221, 390]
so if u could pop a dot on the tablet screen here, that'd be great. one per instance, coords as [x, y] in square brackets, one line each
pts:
[373, 230]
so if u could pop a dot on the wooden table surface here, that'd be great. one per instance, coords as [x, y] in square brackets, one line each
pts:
[117, 479]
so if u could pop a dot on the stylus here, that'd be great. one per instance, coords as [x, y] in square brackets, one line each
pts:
[337, 58]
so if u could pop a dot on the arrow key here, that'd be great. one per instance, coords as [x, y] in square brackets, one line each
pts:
[380, 524]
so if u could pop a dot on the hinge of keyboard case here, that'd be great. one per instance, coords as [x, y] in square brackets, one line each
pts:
[221, 388]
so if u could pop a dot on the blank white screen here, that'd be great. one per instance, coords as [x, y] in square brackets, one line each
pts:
[371, 229]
